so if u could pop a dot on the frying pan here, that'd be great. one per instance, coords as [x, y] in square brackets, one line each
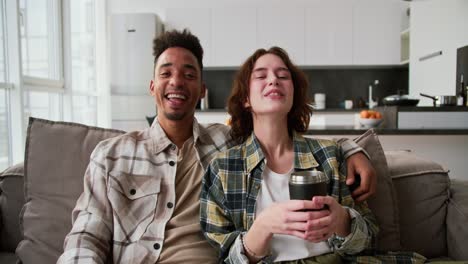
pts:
[400, 100]
[442, 100]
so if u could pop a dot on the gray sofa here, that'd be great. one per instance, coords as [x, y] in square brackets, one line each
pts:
[417, 205]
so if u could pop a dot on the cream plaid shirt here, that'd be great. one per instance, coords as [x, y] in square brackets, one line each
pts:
[129, 195]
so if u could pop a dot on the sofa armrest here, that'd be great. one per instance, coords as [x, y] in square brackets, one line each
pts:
[457, 217]
[11, 203]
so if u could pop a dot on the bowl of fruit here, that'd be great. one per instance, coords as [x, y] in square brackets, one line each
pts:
[370, 118]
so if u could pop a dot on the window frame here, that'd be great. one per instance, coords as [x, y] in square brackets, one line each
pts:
[17, 83]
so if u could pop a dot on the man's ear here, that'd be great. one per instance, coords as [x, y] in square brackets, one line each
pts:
[203, 91]
[151, 88]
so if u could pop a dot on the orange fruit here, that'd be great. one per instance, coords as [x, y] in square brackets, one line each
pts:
[365, 114]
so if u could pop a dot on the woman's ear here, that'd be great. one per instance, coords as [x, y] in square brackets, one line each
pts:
[247, 103]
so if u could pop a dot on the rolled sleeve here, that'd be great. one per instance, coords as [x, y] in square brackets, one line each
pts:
[357, 240]
[348, 148]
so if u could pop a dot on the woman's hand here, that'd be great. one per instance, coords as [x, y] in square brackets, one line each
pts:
[282, 218]
[337, 221]
[289, 218]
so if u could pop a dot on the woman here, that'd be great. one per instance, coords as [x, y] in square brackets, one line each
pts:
[245, 205]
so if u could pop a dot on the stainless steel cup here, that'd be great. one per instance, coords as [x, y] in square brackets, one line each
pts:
[304, 185]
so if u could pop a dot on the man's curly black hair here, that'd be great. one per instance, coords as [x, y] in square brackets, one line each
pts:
[183, 39]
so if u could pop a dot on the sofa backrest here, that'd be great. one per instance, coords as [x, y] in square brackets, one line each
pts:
[56, 157]
[422, 189]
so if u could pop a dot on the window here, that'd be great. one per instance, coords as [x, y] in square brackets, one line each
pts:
[42, 105]
[83, 62]
[40, 38]
[48, 67]
[4, 130]
[4, 124]
[2, 45]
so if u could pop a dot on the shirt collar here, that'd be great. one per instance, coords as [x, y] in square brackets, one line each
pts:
[303, 157]
[161, 142]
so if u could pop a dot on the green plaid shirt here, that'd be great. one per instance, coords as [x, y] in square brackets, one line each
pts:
[232, 182]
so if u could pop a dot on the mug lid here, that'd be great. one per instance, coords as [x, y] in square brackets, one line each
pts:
[308, 176]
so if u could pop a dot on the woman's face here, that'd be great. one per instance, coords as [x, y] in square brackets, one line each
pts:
[271, 88]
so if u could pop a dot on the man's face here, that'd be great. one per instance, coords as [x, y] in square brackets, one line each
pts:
[177, 84]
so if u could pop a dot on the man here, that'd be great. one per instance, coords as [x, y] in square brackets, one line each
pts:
[141, 193]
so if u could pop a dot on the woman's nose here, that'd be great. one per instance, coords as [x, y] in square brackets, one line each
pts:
[273, 80]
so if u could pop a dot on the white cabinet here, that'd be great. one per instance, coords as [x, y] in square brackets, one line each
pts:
[131, 44]
[315, 33]
[198, 21]
[283, 27]
[234, 35]
[376, 32]
[329, 33]
[438, 27]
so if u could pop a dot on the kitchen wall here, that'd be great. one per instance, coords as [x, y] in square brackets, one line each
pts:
[342, 45]
[337, 84]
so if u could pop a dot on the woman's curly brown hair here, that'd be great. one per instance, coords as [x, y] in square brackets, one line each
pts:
[241, 117]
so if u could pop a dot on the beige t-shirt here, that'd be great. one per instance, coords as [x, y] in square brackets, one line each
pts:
[184, 241]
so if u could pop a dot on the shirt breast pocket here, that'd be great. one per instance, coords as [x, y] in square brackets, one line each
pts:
[133, 199]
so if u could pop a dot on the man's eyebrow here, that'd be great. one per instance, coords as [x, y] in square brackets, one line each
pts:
[190, 66]
[165, 65]
[169, 64]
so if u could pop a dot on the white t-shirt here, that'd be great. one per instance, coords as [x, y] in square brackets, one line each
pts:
[275, 188]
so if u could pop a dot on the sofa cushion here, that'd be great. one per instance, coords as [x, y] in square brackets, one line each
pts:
[11, 202]
[383, 204]
[422, 188]
[8, 258]
[57, 154]
[457, 217]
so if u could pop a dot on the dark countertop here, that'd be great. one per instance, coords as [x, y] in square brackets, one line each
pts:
[426, 108]
[351, 130]
[379, 108]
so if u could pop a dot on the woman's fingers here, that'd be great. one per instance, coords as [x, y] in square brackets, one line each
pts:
[298, 216]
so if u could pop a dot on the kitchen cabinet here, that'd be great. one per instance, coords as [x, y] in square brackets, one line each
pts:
[437, 28]
[317, 33]
[233, 35]
[376, 32]
[283, 27]
[329, 33]
[198, 21]
[131, 37]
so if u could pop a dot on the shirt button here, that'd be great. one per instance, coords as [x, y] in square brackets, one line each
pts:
[156, 246]
[132, 191]
[170, 205]
[173, 147]
[171, 163]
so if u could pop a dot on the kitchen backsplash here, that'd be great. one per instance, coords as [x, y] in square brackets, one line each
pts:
[337, 84]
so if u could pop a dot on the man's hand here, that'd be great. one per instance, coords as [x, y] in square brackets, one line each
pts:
[359, 164]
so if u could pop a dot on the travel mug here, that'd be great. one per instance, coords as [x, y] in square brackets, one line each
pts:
[304, 185]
